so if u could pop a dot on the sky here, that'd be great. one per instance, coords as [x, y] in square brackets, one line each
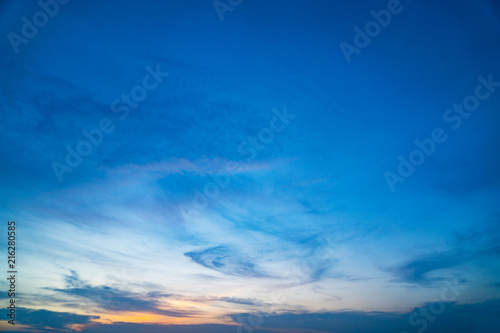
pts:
[251, 166]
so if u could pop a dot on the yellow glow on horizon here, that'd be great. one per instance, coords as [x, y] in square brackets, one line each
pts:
[151, 318]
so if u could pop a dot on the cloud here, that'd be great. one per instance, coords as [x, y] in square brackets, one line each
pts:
[113, 299]
[184, 166]
[226, 260]
[469, 247]
[417, 270]
[45, 320]
[243, 301]
[320, 260]
[479, 317]
[129, 189]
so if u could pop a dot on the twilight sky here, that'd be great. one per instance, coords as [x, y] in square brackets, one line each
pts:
[252, 166]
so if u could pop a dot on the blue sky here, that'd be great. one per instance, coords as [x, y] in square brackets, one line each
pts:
[246, 183]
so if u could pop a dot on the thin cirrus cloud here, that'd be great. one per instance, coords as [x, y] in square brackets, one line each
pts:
[243, 301]
[471, 248]
[201, 167]
[417, 271]
[226, 260]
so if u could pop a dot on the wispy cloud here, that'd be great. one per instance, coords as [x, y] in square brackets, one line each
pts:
[417, 271]
[469, 247]
[200, 167]
[243, 301]
[226, 260]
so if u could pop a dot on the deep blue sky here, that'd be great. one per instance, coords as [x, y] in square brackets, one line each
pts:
[306, 229]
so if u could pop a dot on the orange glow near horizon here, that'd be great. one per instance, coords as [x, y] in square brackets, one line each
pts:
[77, 327]
[151, 318]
